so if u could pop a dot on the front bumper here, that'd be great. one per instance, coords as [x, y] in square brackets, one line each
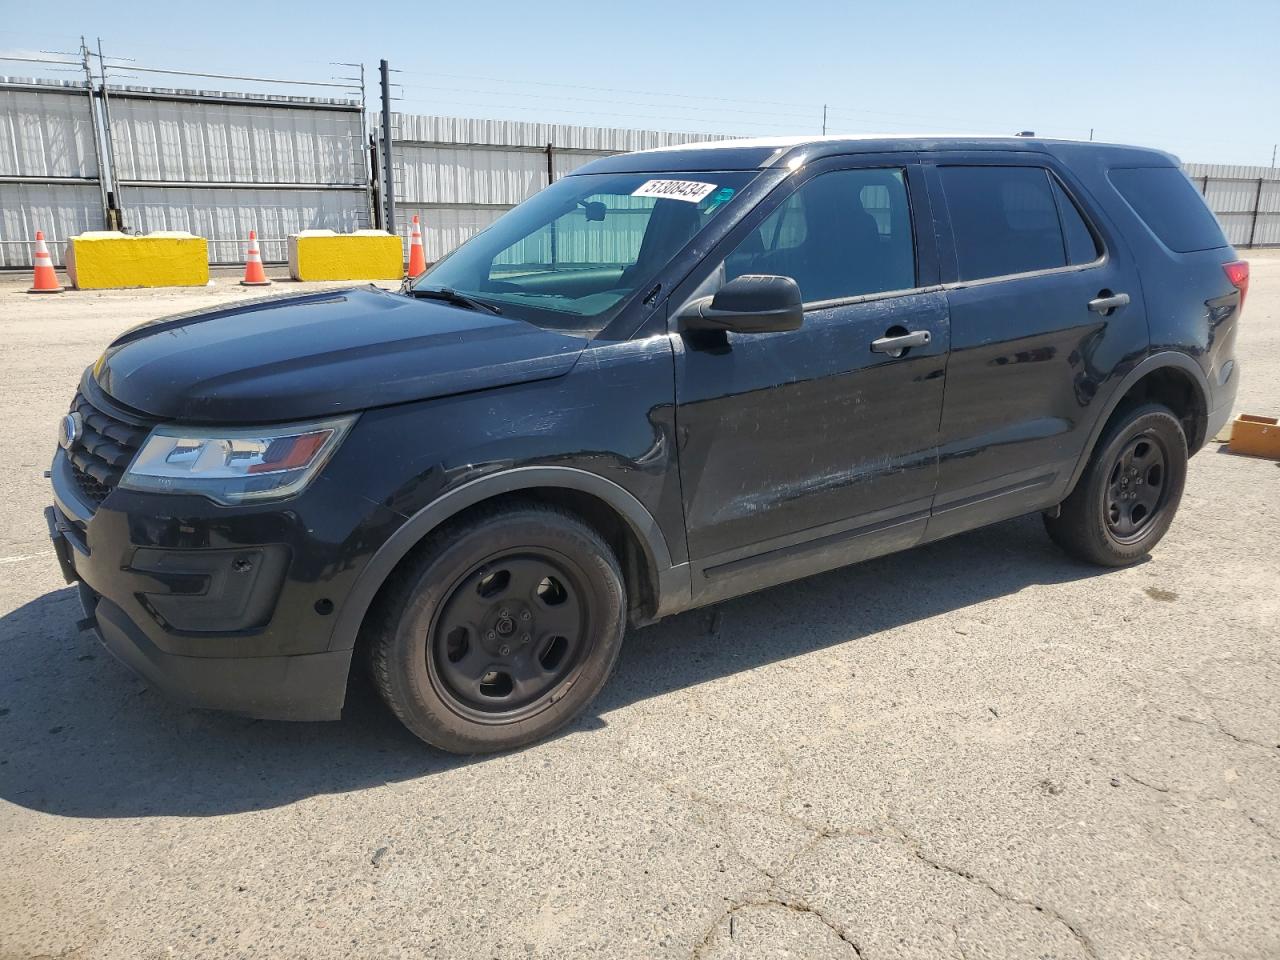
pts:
[221, 608]
[303, 687]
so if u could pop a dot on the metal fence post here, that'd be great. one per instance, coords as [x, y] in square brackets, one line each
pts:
[365, 142]
[375, 183]
[551, 177]
[1257, 202]
[388, 186]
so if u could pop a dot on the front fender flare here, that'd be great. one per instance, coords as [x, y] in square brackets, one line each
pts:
[671, 581]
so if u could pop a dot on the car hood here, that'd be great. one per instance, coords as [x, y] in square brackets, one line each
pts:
[312, 355]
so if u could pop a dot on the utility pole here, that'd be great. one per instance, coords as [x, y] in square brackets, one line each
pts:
[1273, 155]
[115, 212]
[388, 187]
[824, 119]
[97, 133]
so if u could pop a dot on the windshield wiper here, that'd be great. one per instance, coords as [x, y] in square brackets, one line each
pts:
[449, 295]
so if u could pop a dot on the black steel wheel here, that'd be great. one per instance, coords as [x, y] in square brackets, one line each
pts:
[1129, 492]
[1136, 488]
[499, 629]
[511, 632]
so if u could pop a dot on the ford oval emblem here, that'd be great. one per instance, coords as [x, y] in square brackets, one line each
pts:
[70, 429]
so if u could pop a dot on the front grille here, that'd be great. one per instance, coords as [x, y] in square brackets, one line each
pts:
[103, 451]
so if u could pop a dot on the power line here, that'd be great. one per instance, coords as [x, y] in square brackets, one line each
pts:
[776, 121]
[591, 113]
[806, 109]
[64, 63]
[229, 76]
[806, 119]
[576, 86]
[632, 103]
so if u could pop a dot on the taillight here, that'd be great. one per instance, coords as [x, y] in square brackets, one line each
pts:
[1238, 273]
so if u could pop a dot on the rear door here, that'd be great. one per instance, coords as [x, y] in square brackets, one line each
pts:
[806, 449]
[1045, 305]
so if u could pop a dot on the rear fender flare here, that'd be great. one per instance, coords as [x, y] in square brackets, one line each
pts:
[1156, 361]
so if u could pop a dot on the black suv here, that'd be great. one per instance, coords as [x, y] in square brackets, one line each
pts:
[670, 378]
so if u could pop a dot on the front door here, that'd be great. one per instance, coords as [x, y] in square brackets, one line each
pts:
[808, 449]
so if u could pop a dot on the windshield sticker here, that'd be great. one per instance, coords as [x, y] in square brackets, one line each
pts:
[690, 191]
[721, 196]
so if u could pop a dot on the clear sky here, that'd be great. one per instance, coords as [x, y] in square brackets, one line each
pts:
[1198, 78]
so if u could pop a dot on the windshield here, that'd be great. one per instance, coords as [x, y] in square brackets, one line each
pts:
[571, 256]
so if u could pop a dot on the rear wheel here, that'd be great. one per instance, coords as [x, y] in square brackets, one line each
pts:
[1128, 495]
[503, 630]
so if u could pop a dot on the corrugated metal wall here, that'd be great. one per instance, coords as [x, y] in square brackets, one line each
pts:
[212, 138]
[46, 145]
[1245, 199]
[225, 217]
[210, 163]
[45, 130]
[218, 165]
[459, 175]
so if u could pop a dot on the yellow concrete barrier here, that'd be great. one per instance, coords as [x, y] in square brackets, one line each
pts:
[363, 255]
[105, 260]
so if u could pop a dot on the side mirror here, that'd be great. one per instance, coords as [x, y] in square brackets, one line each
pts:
[754, 303]
[594, 209]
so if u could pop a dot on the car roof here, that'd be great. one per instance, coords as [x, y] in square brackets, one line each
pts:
[765, 152]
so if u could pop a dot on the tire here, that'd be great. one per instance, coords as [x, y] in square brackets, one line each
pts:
[500, 629]
[1129, 493]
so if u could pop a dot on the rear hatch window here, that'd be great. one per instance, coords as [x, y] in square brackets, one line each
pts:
[1167, 202]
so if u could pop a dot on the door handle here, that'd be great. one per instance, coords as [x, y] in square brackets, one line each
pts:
[1111, 301]
[897, 346]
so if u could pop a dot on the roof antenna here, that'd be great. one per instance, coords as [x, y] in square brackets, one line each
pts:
[1025, 133]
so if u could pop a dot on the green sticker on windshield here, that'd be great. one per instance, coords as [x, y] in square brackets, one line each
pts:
[719, 198]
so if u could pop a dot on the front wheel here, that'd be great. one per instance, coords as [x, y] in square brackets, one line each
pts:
[503, 630]
[1128, 495]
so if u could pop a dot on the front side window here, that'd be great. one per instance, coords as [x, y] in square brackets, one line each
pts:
[842, 234]
[570, 257]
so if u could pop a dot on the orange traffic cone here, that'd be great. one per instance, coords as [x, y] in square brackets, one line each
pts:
[417, 257]
[46, 280]
[254, 275]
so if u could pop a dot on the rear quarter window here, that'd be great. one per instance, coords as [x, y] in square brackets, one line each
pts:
[1170, 206]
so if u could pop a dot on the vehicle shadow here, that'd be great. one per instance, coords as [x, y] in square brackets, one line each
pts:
[82, 737]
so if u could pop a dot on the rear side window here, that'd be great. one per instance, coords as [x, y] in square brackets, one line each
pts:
[1167, 202]
[1004, 220]
[1081, 245]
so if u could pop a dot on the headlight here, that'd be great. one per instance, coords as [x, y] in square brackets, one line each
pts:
[235, 464]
